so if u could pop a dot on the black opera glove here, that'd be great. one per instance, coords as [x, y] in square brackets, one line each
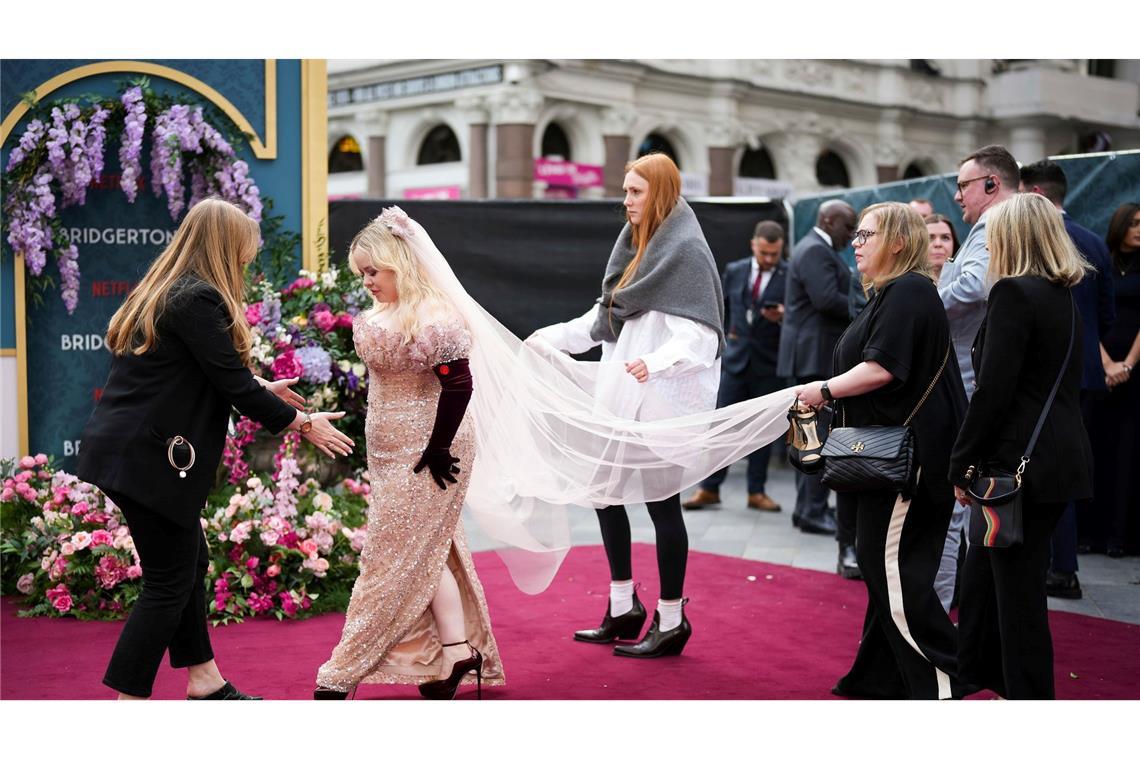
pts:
[454, 395]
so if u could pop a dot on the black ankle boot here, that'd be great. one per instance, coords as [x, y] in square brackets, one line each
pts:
[658, 643]
[626, 627]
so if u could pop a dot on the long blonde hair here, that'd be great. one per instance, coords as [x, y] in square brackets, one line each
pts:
[213, 242]
[664, 189]
[1026, 236]
[899, 223]
[417, 297]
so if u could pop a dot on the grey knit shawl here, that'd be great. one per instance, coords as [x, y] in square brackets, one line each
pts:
[677, 275]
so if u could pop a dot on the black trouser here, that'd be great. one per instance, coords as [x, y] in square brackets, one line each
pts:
[170, 613]
[909, 645]
[734, 389]
[672, 543]
[1064, 543]
[846, 518]
[1003, 617]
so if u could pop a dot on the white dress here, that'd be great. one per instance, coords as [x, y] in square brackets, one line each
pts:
[680, 354]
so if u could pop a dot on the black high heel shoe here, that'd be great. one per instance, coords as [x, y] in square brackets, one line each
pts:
[804, 441]
[626, 626]
[658, 643]
[445, 688]
[320, 693]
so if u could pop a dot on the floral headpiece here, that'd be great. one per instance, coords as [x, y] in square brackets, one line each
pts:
[397, 221]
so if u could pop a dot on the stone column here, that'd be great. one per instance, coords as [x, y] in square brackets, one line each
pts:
[375, 127]
[723, 138]
[514, 112]
[474, 111]
[796, 153]
[889, 147]
[616, 123]
[1027, 142]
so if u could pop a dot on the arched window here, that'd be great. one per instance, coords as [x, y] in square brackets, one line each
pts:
[913, 170]
[757, 163]
[345, 156]
[831, 171]
[655, 143]
[555, 143]
[439, 147]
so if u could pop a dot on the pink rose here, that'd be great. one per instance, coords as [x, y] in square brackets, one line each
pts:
[253, 313]
[80, 508]
[287, 365]
[81, 540]
[25, 476]
[134, 571]
[60, 598]
[102, 538]
[26, 583]
[273, 571]
[7, 494]
[308, 546]
[41, 459]
[324, 320]
[298, 284]
[252, 563]
[28, 463]
[67, 548]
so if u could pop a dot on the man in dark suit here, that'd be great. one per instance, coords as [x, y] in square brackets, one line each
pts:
[1097, 305]
[816, 314]
[753, 310]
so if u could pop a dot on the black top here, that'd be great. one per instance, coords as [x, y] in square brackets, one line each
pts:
[1017, 355]
[904, 329]
[1118, 339]
[185, 385]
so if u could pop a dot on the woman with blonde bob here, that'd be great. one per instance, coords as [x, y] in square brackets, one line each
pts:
[894, 359]
[180, 351]
[659, 321]
[417, 614]
[1031, 336]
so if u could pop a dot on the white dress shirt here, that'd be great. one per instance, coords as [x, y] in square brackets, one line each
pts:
[765, 278]
[680, 354]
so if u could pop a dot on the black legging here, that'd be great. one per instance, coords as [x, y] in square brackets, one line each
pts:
[672, 543]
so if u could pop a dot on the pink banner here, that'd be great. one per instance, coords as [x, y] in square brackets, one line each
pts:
[567, 173]
[446, 193]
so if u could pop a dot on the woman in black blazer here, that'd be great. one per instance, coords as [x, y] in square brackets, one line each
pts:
[181, 347]
[1004, 642]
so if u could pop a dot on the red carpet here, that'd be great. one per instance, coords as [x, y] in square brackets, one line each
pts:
[789, 634]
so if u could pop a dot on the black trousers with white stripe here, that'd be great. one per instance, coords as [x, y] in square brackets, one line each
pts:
[909, 646]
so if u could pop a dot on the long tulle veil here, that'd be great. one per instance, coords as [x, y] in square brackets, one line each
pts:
[543, 443]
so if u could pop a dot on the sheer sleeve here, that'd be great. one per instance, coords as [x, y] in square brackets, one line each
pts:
[446, 341]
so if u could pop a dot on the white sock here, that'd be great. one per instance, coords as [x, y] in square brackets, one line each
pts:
[669, 614]
[621, 597]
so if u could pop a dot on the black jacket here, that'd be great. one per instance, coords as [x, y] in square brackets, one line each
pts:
[752, 349]
[185, 385]
[1017, 355]
[815, 308]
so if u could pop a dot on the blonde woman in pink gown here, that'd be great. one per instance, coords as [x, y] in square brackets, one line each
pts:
[417, 614]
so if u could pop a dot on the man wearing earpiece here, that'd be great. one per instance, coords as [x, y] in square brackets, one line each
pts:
[986, 177]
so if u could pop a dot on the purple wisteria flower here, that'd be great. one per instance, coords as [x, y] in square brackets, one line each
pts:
[29, 230]
[28, 142]
[69, 275]
[130, 148]
[271, 313]
[316, 364]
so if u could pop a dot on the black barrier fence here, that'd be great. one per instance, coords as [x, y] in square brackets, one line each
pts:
[1098, 184]
[534, 263]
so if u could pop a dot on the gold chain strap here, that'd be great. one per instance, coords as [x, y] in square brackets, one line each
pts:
[929, 389]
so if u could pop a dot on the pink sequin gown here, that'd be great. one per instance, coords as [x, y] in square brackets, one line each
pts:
[414, 528]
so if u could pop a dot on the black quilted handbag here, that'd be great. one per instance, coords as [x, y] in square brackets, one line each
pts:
[875, 457]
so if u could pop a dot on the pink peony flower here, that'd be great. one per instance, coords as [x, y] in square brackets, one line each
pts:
[41, 459]
[60, 598]
[25, 476]
[299, 284]
[101, 538]
[81, 540]
[344, 321]
[7, 494]
[324, 320]
[273, 571]
[80, 509]
[287, 365]
[309, 547]
[27, 463]
[253, 313]
[134, 571]
[26, 583]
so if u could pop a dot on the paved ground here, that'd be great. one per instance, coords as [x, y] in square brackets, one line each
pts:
[1111, 586]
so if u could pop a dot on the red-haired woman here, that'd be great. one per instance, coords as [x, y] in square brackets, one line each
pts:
[659, 321]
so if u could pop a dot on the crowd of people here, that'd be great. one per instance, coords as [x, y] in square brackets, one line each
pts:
[962, 343]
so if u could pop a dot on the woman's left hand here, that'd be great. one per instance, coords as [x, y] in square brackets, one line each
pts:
[810, 394]
[638, 369]
[281, 389]
[961, 496]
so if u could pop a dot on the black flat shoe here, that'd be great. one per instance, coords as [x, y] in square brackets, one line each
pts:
[445, 687]
[228, 691]
[658, 643]
[626, 627]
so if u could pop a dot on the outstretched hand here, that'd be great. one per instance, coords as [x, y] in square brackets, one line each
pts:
[326, 437]
[441, 464]
[281, 389]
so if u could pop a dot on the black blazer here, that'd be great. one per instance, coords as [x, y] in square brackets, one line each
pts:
[1016, 356]
[185, 385]
[1096, 298]
[815, 308]
[751, 348]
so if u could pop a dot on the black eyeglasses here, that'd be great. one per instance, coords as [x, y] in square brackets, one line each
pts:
[962, 185]
[861, 236]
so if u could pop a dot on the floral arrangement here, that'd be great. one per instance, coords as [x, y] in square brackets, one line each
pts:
[304, 330]
[278, 546]
[60, 154]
